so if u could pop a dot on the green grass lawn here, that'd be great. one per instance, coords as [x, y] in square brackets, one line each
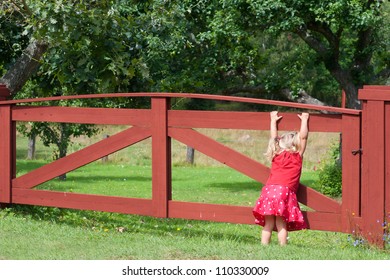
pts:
[36, 233]
[220, 185]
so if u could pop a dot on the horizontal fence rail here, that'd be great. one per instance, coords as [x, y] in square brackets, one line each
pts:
[189, 95]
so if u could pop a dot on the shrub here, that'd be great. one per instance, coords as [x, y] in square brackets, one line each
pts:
[330, 180]
[330, 174]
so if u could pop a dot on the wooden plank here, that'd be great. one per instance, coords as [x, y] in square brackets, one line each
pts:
[363, 171]
[220, 152]
[317, 201]
[80, 158]
[13, 150]
[136, 117]
[190, 95]
[211, 212]
[6, 154]
[243, 215]
[375, 94]
[213, 119]
[387, 161]
[115, 204]
[373, 170]
[351, 159]
[356, 226]
[4, 92]
[323, 221]
[161, 157]
[382, 87]
[250, 120]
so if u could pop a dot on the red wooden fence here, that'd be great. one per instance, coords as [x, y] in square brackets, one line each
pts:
[365, 151]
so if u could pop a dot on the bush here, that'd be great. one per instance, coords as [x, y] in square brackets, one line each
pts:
[330, 180]
[330, 175]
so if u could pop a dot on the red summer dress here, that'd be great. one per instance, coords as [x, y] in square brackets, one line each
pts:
[278, 196]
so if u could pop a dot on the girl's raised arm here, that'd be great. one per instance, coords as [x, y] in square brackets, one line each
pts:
[274, 124]
[303, 132]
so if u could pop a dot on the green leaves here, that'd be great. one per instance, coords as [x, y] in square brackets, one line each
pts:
[200, 46]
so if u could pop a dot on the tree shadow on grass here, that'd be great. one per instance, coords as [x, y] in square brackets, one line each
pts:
[27, 166]
[131, 224]
[122, 186]
[88, 180]
[237, 187]
[82, 182]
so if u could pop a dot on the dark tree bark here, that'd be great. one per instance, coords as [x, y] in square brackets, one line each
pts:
[31, 147]
[190, 157]
[329, 52]
[62, 145]
[24, 67]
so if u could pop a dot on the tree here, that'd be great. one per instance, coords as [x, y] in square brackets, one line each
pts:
[220, 46]
[345, 35]
[79, 49]
[275, 49]
[20, 53]
[297, 50]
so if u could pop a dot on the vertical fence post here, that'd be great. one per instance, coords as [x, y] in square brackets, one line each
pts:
[161, 157]
[374, 161]
[351, 162]
[387, 160]
[6, 148]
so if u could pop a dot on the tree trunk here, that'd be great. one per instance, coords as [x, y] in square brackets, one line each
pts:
[344, 78]
[330, 55]
[105, 158]
[31, 147]
[190, 155]
[24, 67]
[63, 145]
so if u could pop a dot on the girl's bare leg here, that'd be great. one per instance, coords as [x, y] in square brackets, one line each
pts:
[282, 230]
[267, 230]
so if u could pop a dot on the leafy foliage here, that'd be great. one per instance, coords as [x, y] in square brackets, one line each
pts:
[245, 47]
[12, 40]
[210, 46]
[345, 34]
[330, 175]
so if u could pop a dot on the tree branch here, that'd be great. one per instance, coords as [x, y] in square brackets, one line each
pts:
[253, 90]
[384, 75]
[313, 42]
[325, 30]
[330, 59]
[363, 57]
[303, 97]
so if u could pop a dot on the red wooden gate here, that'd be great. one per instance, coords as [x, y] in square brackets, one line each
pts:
[162, 124]
[375, 168]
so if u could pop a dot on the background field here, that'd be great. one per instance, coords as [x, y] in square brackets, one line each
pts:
[128, 172]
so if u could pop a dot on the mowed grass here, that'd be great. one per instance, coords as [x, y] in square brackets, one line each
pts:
[33, 237]
[37, 233]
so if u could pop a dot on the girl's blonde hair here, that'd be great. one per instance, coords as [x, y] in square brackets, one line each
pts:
[289, 141]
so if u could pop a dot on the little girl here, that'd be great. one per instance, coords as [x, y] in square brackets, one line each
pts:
[278, 205]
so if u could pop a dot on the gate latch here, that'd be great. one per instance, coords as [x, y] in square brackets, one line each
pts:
[358, 151]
